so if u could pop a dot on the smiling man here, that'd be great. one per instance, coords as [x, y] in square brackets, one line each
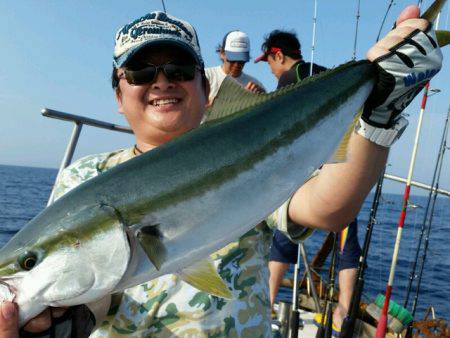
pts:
[160, 85]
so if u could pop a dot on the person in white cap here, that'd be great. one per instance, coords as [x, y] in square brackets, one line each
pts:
[160, 87]
[234, 51]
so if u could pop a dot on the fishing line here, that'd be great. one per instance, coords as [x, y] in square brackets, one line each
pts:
[384, 19]
[439, 163]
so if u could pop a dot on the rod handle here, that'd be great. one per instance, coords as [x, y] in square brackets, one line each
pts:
[294, 322]
[381, 327]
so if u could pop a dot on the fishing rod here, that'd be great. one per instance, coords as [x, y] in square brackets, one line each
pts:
[422, 230]
[382, 323]
[348, 325]
[313, 46]
[356, 30]
[325, 331]
[294, 319]
[419, 244]
[427, 236]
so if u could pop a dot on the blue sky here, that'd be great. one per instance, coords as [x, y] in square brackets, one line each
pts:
[58, 54]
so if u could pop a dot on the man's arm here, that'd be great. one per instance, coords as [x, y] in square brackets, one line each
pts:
[333, 198]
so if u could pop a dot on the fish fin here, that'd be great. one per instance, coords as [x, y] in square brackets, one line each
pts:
[231, 98]
[340, 154]
[203, 276]
[150, 238]
[443, 38]
[432, 12]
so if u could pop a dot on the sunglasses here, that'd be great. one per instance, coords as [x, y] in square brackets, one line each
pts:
[148, 75]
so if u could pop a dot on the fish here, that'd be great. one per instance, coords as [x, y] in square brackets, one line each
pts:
[167, 210]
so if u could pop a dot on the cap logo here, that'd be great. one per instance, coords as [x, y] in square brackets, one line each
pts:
[238, 44]
[155, 26]
[160, 16]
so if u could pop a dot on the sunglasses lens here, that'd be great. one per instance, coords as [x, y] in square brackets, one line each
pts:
[140, 77]
[173, 72]
[179, 72]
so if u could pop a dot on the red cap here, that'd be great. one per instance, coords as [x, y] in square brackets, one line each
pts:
[273, 50]
[263, 56]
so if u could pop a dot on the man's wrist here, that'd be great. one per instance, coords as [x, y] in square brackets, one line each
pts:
[382, 136]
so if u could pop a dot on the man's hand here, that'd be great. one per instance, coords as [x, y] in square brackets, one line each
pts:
[334, 197]
[407, 58]
[9, 320]
[253, 87]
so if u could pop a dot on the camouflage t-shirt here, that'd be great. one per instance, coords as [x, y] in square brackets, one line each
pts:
[169, 307]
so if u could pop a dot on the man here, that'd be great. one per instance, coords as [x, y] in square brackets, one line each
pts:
[281, 50]
[161, 89]
[234, 51]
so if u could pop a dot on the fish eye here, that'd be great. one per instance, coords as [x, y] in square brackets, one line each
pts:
[28, 260]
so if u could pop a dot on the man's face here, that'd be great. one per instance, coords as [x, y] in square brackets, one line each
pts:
[164, 109]
[276, 64]
[233, 68]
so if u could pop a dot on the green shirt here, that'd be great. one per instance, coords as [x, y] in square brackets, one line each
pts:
[169, 307]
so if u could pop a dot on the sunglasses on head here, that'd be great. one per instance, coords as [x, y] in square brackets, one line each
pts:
[148, 74]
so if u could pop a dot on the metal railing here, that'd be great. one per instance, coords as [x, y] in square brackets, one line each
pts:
[78, 121]
[417, 184]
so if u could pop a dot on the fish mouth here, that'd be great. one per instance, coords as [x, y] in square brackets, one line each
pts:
[7, 292]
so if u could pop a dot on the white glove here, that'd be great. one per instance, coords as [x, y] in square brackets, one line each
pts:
[402, 73]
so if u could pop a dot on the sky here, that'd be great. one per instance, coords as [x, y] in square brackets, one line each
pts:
[58, 54]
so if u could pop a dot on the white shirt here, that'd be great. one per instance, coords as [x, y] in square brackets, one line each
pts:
[216, 75]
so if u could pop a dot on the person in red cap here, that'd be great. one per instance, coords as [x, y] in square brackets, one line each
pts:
[282, 51]
[234, 51]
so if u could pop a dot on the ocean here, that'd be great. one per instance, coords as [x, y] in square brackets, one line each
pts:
[24, 192]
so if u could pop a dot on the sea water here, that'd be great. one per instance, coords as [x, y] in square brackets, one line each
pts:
[24, 192]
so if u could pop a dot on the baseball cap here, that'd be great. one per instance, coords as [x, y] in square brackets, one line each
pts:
[236, 46]
[263, 56]
[273, 50]
[155, 28]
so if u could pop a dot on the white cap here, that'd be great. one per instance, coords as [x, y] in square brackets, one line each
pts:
[236, 45]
